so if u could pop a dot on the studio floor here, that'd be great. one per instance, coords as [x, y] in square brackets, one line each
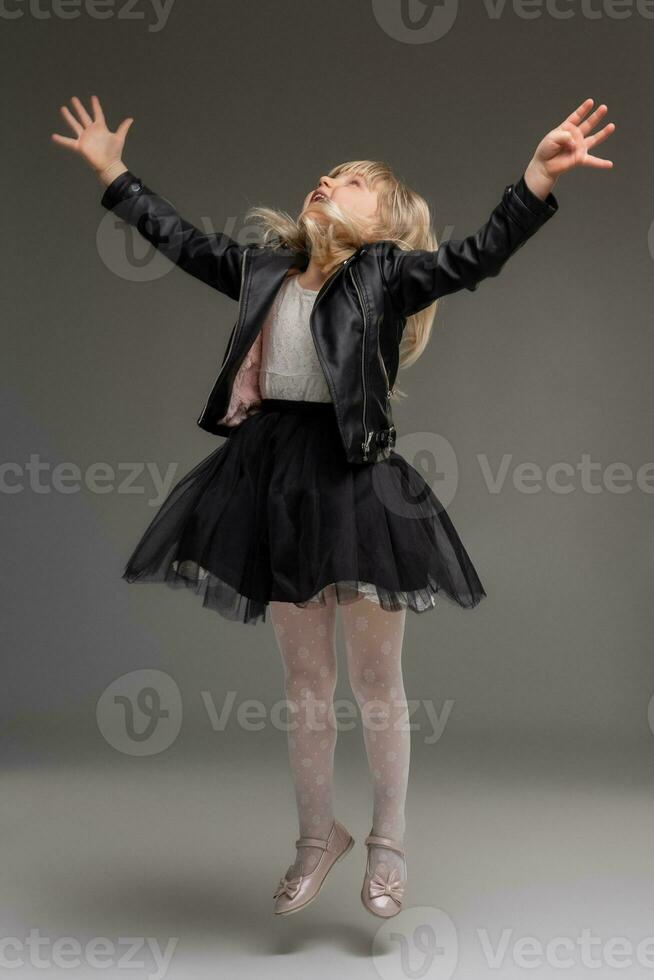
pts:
[525, 858]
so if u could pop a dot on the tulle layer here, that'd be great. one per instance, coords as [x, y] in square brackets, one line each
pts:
[276, 513]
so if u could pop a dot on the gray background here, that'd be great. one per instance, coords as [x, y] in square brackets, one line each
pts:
[533, 808]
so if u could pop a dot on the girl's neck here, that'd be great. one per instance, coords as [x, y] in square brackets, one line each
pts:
[313, 277]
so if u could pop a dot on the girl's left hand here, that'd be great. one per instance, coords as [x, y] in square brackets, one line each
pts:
[568, 146]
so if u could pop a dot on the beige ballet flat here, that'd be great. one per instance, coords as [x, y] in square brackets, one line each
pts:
[383, 892]
[296, 893]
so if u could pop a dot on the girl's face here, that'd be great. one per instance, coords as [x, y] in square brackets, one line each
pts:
[350, 191]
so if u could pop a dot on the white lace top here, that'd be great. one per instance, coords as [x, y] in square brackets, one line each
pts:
[289, 363]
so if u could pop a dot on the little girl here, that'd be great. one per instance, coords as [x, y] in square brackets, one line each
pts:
[306, 507]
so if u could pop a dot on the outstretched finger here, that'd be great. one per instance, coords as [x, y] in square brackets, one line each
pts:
[579, 113]
[123, 129]
[84, 117]
[601, 136]
[593, 119]
[591, 161]
[66, 141]
[70, 119]
[98, 114]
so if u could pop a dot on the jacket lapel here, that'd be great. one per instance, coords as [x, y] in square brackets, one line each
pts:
[267, 270]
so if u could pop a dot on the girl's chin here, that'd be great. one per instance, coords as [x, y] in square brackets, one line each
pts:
[316, 213]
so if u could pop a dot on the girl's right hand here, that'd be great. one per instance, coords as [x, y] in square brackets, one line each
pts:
[94, 141]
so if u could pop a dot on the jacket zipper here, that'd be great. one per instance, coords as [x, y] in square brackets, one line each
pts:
[235, 331]
[383, 367]
[321, 292]
[365, 445]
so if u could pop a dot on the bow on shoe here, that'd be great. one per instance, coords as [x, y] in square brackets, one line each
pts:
[393, 886]
[288, 887]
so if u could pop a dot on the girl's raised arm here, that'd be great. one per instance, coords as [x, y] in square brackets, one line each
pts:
[416, 278]
[215, 258]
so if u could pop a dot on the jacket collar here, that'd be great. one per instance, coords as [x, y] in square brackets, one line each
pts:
[285, 258]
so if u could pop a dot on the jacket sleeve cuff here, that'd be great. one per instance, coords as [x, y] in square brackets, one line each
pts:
[125, 185]
[528, 209]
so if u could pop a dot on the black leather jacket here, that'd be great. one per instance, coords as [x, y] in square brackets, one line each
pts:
[359, 313]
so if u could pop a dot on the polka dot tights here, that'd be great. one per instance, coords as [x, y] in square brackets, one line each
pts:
[373, 644]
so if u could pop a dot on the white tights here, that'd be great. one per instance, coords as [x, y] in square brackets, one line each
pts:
[373, 644]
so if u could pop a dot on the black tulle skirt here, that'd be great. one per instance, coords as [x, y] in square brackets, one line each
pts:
[276, 513]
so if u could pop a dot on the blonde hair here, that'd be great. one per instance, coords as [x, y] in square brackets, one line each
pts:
[402, 217]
